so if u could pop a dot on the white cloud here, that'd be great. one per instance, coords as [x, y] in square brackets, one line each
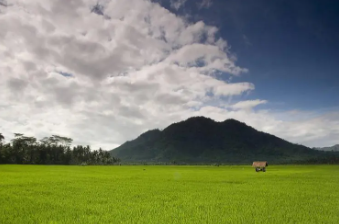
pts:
[177, 4]
[247, 104]
[133, 68]
[205, 3]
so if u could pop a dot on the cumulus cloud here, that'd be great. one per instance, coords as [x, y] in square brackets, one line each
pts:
[104, 76]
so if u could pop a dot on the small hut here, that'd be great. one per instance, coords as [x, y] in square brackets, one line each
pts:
[260, 166]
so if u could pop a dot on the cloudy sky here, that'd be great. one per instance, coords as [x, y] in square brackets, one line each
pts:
[103, 72]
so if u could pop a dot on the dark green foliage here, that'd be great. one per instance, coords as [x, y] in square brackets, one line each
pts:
[52, 150]
[202, 140]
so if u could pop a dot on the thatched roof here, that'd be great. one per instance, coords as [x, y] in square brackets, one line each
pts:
[260, 164]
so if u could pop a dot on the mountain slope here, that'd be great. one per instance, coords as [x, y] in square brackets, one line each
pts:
[202, 140]
[334, 148]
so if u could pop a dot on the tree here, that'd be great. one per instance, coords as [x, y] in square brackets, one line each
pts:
[50, 150]
[1, 138]
[1, 148]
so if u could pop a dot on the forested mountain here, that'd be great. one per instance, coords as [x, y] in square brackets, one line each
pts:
[50, 150]
[202, 140]
[334, 148]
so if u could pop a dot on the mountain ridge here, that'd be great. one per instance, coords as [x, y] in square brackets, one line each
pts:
[334, 148]
[203, 140]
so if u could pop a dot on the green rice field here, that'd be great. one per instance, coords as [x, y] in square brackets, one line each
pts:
[169, 194]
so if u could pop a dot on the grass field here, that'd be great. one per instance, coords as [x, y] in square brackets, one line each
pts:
[168, 194]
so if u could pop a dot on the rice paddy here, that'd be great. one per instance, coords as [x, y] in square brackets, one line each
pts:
[168, 194]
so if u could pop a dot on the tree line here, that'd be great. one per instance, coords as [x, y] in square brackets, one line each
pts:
[50, 150]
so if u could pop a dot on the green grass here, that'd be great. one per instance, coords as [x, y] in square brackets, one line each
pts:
[168, 194]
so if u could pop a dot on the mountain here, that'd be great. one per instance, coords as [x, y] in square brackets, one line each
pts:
[203, 140]
[334, 148]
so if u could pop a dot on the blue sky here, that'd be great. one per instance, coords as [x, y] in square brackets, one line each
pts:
[290, 47]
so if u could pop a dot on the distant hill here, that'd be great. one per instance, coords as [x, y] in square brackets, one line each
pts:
[334, 148]
[203, 140]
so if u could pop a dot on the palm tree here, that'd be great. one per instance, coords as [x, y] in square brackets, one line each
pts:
[1, 137]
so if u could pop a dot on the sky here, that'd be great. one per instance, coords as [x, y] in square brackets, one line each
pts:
[103, 72]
